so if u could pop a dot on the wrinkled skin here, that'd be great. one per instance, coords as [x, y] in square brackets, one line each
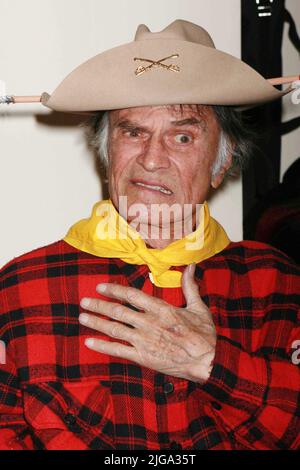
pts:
[173, 148]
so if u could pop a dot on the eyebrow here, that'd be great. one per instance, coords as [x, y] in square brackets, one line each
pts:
[189, 122]
[129, 126]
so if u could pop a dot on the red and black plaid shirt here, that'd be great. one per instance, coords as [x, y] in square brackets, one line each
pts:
[57, 394]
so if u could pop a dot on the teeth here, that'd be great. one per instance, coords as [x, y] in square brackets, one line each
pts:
[157, 188]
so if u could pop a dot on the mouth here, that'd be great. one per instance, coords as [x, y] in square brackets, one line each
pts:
[153, 187]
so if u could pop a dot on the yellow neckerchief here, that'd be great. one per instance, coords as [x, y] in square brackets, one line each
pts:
[106, 234]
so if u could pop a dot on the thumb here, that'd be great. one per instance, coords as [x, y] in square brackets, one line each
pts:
[190, 288]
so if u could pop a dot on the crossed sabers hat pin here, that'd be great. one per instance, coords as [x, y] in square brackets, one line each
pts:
[156, 63]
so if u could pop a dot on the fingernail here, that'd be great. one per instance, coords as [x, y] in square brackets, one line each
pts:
[101, 287]
[85, 301]
[89, 342]
[83, 318]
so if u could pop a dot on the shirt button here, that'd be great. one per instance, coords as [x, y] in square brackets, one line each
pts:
[175, 445]
[70, 419]
[216, 405]
[168, 388]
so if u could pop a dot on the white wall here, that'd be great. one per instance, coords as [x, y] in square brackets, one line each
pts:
[47, 177]
[291, 66]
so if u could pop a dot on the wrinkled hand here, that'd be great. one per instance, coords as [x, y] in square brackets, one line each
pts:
[175, 341]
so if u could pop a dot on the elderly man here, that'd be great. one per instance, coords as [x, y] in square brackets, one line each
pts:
[145, 327]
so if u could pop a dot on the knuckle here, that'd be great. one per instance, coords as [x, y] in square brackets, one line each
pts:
[155, 352]
[118, 351]
[118, 312]
[137, 298]
[93, 323]
[194, 304]
[131, 294]
[115, 331]
[206, 315]
[95, 306]
[165, 309]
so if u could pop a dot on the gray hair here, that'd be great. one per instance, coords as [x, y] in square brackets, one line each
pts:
[235, 138]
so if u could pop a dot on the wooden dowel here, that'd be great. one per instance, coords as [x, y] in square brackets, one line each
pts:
[283, 80]
[26, 99]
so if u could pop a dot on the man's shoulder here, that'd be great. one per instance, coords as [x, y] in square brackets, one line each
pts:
[258, 270]
[252, 254]
[38, 257]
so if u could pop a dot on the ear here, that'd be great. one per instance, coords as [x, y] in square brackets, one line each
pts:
[218, 178]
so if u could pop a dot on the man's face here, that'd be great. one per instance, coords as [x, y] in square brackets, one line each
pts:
[162, 154]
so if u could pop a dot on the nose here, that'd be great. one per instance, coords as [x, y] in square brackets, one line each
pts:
[154, 155]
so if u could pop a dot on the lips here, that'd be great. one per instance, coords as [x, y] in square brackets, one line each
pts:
[153, 186]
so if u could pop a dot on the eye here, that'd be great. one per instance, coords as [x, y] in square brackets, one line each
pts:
[133, 133]
[183, 139]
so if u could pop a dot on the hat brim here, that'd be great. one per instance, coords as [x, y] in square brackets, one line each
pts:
[206, 76]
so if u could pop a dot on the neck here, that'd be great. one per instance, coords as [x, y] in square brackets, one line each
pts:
[160, 236]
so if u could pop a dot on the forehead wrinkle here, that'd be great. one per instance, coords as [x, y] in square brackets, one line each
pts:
[189, 122]
[197, 115]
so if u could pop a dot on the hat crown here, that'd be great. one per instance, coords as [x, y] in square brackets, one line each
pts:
[179, 29]
[179, 64]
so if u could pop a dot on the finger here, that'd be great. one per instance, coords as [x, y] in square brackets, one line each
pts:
[191, 289]
[134, 296]
[114, 310]
[112, 349]
[111, 328]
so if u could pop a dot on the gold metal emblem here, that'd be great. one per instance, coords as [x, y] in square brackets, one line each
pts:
[155, 64]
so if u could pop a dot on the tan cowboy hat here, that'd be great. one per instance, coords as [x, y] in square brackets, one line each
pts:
[179, 65]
